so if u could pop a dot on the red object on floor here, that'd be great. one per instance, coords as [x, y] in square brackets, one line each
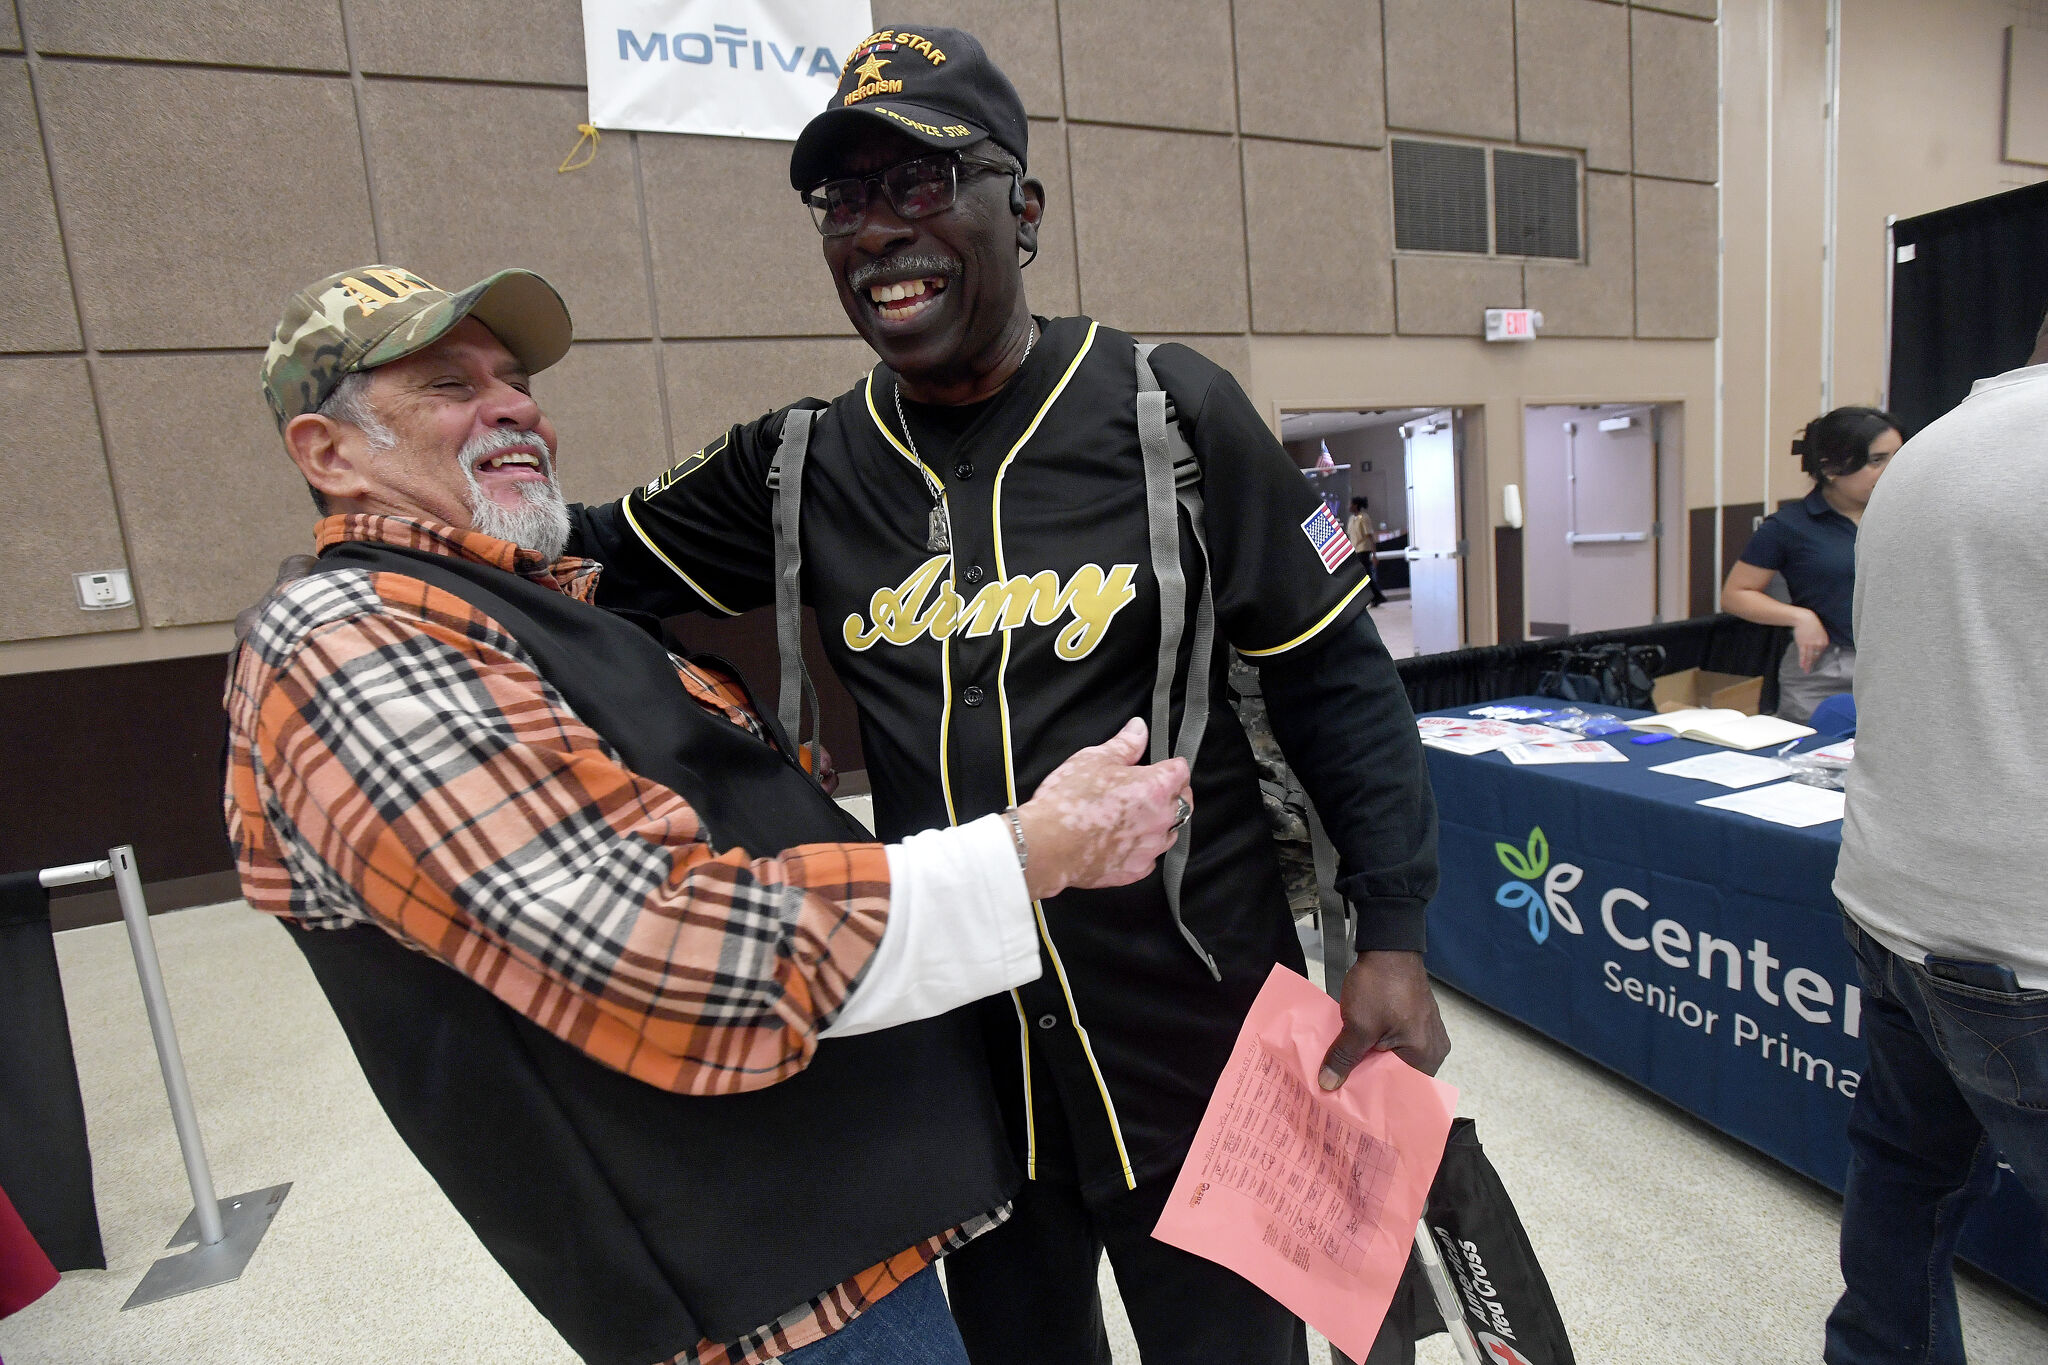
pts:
[25, 1272]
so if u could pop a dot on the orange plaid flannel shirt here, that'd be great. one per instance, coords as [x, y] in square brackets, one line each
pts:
[396, 759]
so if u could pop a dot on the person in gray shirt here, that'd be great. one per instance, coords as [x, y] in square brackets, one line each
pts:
[1940, 873]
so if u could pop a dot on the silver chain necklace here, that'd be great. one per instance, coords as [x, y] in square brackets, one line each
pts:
[939, 526]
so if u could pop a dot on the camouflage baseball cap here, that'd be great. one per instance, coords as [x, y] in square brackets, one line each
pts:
[356, 320]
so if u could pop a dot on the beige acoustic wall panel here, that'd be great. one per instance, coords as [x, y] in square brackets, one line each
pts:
[713, 384]
[1677, 267]
[1446, 297]
[1676, 74]
[1051, 282]
[606, 406]
[1596, 299]
[1317, 221]
[539, 41]
[1451, 67]
[209, 500]
[1571, 65]
[10, 31]
[1698, 9]
[1311, 70]
[304, 34]
[1020, 36]
[59, 504]
[1160, 63]
[196, 200]
[1232, 353]
[466, 184]
[36, 313]
[1159, 218]
[2026, 95]
[740, 259]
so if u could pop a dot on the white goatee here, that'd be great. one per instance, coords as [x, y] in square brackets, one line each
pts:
[541, 520]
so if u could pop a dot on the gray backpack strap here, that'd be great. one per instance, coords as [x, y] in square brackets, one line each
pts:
[794, 695]
[1173, 481]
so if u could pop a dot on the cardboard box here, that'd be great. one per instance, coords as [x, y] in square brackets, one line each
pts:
[1691, 687]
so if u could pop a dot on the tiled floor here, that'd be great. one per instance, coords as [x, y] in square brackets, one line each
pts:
[1664, 1241]
[1396, 624]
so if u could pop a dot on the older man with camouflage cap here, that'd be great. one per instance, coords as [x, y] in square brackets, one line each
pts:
[673, 1033]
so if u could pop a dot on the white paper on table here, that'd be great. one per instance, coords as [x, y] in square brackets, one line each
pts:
[1576, 751]
[1786, 803]
[1460, 735]
[1841, 751]
[1728, 770]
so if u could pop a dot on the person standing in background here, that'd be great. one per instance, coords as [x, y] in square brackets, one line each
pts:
[1813, 544]
[1365, 539]
[1939, 877]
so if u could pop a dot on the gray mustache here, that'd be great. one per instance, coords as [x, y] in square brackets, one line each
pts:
[901, 268]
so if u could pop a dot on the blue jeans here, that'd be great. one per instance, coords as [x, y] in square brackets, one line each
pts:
[1958, 1076]
[910, 1326]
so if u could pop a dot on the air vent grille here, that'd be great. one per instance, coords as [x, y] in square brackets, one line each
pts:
[1439, 197]
[1535, 205]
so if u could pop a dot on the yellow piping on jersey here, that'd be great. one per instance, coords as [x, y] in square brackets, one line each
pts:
[868, 391]
[1010, 781]
[1313, 630]
[946, 644]
[1030, 1119]
[626, 506]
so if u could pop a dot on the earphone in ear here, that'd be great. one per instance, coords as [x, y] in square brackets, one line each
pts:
[1017, 195]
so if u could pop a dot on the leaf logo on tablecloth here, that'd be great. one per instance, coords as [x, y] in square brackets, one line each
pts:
[1531, 865]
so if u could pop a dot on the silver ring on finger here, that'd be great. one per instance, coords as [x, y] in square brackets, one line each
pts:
[1182, 812]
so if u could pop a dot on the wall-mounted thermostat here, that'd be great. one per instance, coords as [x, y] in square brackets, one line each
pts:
[103, 589]
[1512, 324]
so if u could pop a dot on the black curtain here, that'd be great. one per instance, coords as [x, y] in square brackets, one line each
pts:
[1719, 644]
[1969, 302]
[45, 1166]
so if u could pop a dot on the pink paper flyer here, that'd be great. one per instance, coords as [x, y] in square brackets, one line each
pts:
[1311, 1195]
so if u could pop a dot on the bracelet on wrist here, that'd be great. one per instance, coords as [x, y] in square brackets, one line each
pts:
[1017, 837]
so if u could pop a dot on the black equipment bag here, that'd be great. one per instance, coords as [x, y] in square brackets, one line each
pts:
[1478, 1233]
[1486, 1252]
[1605, 675]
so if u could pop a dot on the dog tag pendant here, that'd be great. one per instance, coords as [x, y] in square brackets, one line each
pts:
[938, 535]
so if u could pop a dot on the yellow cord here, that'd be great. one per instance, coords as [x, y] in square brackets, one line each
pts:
[589, 134]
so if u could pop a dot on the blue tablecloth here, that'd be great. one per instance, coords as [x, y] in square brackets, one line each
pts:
[1696, 951]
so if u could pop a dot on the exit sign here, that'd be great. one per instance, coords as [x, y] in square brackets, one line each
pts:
[1512, 324]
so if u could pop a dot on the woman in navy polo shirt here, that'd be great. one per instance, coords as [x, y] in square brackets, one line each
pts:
[1812, 542]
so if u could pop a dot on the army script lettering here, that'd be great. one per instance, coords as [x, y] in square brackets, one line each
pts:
[924, 604]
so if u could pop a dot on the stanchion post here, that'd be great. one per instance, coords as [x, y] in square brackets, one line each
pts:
[135, 912]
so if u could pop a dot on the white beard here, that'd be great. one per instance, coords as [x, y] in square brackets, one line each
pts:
[541, 521]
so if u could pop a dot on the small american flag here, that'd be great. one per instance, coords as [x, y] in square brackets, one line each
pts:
[1332, 546]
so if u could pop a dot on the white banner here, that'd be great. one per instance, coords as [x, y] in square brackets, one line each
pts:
[732, 68]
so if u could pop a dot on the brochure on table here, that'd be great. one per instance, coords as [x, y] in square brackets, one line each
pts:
[1462, 735]
[1727, 770]
[1786, 803]
[1573, 751]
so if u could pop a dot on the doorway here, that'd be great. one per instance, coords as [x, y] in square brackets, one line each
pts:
[1593, 543]
[1404, 463]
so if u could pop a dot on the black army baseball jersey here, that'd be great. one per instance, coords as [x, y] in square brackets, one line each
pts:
[979, 667]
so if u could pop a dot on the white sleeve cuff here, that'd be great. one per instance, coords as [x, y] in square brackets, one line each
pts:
[960, 926]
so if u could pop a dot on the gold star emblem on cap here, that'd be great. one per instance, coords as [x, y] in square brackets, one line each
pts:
[871, 69]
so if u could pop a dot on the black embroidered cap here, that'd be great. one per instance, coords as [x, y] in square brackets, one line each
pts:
[935, 85]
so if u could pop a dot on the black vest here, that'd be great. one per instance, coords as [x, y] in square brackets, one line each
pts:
[637, 1220]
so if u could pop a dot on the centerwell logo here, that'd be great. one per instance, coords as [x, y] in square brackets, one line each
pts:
[1533, 865]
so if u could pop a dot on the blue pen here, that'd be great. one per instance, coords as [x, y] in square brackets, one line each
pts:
[1654, 737]
[1786, 748]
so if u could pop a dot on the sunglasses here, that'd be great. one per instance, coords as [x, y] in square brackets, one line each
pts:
[917, 188]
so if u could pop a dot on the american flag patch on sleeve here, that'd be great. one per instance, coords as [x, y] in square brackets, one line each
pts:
[1331, 545]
